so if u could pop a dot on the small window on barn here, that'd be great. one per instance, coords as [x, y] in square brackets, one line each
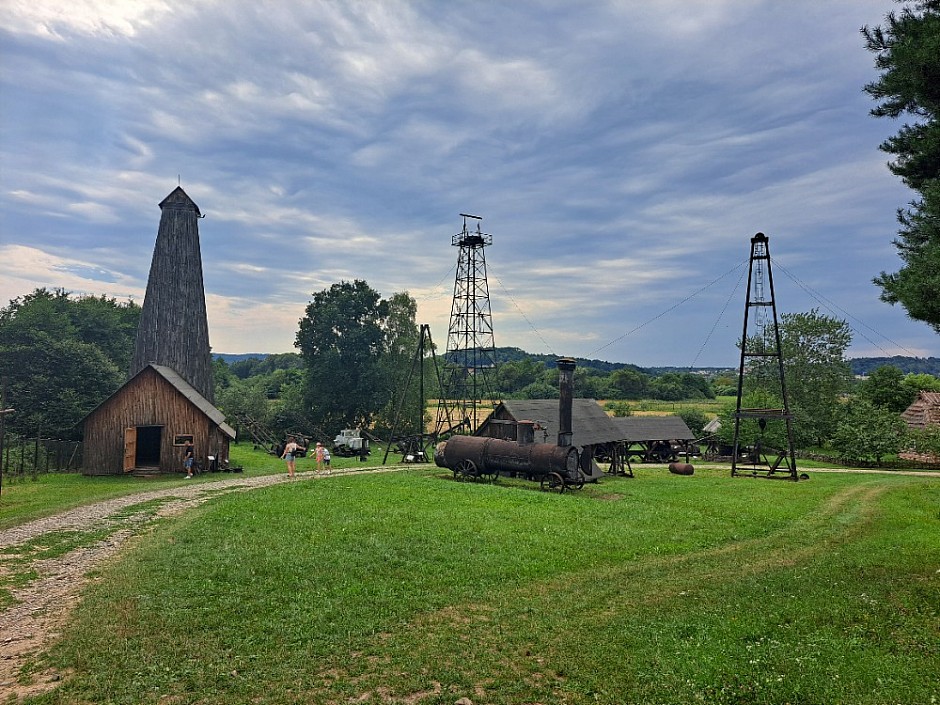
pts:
[182, 439]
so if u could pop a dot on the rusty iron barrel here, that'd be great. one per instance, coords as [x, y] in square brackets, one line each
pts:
[681, 469]
[497, 455]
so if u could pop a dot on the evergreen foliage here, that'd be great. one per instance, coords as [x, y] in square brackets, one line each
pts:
[907, 53]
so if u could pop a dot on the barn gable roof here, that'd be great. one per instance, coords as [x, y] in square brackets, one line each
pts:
[590, 424]
[184, 388]
[925, 411]
[654, 428]
[188, 391]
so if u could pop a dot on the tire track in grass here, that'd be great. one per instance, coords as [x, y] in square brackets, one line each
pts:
[532, 654]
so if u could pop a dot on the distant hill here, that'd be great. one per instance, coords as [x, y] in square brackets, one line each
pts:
[908, 365]
[238, 357]
[860, 365]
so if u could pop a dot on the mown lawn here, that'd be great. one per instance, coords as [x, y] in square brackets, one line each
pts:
[414, 588]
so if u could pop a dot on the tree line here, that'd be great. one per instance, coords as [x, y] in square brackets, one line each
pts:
[63, 355]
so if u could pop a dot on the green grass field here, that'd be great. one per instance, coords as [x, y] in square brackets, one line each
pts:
[50, 493]
[414, 588]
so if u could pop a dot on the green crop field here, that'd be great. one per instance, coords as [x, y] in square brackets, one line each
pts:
[411, 587]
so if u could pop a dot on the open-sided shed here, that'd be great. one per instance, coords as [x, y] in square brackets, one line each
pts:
[145, 425]
[655, 438]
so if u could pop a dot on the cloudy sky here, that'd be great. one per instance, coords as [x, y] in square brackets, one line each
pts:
[621, 154]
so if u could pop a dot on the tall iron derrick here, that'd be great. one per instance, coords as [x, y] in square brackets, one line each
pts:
[471, 355]
[763, 424]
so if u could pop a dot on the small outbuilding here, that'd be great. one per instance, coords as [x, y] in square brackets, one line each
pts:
[146, 423]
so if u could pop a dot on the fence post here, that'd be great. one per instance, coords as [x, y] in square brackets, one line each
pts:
[36, 453]
[3, 416]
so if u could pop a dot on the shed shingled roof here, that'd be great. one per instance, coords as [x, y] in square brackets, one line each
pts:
[654, 428]
[188, 391]
[590, 424]
[184, 388]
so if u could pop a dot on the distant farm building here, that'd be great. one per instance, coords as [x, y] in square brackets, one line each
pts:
[925, 411]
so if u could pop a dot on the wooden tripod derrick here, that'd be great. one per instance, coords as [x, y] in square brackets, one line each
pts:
[174, 329]
[761, 376]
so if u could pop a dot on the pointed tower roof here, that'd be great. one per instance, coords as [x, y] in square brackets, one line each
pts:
[173, 329]
[179, 199]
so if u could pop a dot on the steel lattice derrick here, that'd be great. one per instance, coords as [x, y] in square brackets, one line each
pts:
[761, 374]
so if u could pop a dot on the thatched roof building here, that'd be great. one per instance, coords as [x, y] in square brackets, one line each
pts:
[925, 411]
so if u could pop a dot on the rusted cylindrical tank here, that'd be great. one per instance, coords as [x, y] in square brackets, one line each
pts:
[681, 469]
[497, 455]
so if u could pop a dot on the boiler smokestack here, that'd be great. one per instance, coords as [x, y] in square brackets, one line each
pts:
[566, 367]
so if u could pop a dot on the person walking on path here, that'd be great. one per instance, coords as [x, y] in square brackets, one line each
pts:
[320, 454]
[289, 453]
[326, 460]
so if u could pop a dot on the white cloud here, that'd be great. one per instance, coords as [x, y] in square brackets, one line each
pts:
[55, 19]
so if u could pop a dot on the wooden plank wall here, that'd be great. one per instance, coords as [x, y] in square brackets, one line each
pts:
[148, 400]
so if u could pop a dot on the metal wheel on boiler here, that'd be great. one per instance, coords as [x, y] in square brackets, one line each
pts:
[489, 475]
[465, 468]
[577, 480]
[553, 482]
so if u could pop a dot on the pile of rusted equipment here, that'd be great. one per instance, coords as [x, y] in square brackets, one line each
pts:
[556, 467]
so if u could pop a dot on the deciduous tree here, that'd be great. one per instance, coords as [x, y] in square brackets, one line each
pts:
[352, 342]
[62, 356]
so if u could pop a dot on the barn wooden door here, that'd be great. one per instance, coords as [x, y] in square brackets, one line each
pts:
[130, 449]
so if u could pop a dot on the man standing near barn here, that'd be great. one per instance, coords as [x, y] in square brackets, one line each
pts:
[189, 457]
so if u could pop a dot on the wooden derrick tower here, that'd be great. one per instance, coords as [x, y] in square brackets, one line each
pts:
[174, 329]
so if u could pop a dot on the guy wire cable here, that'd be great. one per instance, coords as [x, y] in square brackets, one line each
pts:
[718, 320]
[522, 313]
[671, 308]
[829, 305]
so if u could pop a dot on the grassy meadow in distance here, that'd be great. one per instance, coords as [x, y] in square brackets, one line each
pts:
[410, 587]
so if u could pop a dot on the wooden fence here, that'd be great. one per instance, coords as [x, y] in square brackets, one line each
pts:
[28, 457]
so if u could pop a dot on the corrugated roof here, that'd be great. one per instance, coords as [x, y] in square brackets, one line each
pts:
[654, 428]
[590, 424]
[187, 390]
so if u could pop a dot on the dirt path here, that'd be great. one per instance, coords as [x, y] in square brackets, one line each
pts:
[52, 585]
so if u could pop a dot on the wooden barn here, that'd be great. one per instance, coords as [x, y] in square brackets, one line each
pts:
[590, 425]
[145, 424]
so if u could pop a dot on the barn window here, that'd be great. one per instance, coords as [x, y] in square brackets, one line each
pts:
[182, 439]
